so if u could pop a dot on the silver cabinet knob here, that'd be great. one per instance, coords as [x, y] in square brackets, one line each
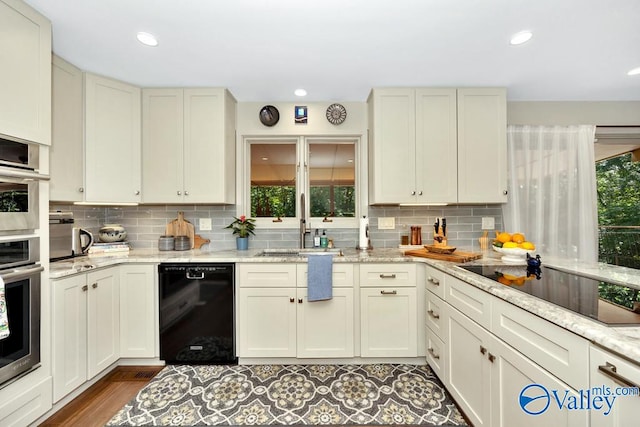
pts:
[137, 192]
[413, 193]
[420, 193]
[505, 192]
[179, 193]
[81, 189]
[186, 193]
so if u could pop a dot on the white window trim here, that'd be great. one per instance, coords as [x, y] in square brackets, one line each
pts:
[243, 207]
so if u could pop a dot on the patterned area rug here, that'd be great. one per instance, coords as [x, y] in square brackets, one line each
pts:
[380, 394]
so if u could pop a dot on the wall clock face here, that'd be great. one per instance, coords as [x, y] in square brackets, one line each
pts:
[269, 115]
[336, 114]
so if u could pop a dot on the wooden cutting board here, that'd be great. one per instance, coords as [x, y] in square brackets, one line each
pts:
[181, 227]
[457, 256]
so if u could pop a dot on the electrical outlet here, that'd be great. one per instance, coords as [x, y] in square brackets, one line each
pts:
[386, 223]
[205, 224]
[488, 223]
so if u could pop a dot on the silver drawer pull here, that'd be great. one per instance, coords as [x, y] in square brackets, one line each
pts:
[434, 281]
[432, 314]
[611, 371]
[433, 353]
[388, 292]
[387, 276]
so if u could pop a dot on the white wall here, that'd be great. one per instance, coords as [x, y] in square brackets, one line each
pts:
[602, 113]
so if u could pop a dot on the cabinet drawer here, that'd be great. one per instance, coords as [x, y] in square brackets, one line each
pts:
[342, 275]
[388, 275]
[473, 302]
[266, 275]
[436, 315]
[436, 357]
[435, 281]
[557, 350]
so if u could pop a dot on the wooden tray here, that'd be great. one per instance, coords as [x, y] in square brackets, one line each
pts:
[457, 256]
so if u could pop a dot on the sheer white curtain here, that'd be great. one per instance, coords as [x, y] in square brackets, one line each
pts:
[552, 189]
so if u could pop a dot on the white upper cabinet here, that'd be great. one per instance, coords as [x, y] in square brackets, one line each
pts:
[424, 141]
[112, 141]
[25, 74]
[67, 152]
[188, 146]
[482, 145]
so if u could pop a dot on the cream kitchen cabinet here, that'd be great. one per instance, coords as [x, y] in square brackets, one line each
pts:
[426, 145]
[66, 156]
[188, 144]
[610, 371]
[413, 145]
[482, 145]
[25, 74]
[276, 320]
[138, 311]
[112, 141]
[388, 310]
[85, 328]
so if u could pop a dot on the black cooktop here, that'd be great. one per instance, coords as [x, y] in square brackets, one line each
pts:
[608, 303]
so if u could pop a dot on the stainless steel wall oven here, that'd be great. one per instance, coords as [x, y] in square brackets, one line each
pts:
[19, 307]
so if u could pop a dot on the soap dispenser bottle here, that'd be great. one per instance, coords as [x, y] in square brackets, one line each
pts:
[316, 240]
[324, 241]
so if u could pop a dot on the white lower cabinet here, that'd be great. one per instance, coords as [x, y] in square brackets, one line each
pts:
[85, 327]
[615, 379]
[138, 306]
[280, 321]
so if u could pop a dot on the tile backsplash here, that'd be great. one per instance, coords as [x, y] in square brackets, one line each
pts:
[146, 223]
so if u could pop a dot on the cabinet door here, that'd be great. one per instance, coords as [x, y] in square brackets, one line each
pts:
[138, 311]
[482, 145]
[624, 411]
[25, 74]
[436, 146]
[267, 322]
[103, 315]
[209, 154]
[468, 370]
[325, 328]
[162, 145]
[112, 141]
[511, 373]
[69, 334]
[388, 322]
[393, 146]
[66, 157]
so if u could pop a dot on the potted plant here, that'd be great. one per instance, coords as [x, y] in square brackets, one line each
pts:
[243, 227]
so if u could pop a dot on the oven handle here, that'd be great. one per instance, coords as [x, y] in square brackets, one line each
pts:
[23, 174]
[20, 273]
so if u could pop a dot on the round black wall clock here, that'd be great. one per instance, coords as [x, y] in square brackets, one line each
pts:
[269, 115]
[336, 114]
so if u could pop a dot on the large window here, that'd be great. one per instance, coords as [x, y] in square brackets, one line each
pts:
[282, 171]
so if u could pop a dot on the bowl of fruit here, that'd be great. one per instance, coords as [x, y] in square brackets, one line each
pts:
[513, 247]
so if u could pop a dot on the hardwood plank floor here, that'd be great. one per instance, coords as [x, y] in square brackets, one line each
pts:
[102, 401]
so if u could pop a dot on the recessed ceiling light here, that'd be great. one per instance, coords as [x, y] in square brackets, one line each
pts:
[634, 72]
[147, 39]
[300, 92]
[521, 37]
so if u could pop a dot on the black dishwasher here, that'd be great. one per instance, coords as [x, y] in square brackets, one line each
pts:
[197, 313]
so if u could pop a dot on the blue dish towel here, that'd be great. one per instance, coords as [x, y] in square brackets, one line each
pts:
[320, 277]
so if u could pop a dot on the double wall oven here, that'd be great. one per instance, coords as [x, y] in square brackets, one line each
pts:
[20, 269]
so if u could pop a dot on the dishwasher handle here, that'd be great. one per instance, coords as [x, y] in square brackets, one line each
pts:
[191, 276]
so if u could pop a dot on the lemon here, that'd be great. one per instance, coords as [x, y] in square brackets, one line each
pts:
[509, 245]
[528, 246]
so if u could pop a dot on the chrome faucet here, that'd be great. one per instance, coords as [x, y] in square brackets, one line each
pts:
[303, 222]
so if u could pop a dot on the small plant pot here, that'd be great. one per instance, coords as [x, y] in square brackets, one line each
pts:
[242, 243]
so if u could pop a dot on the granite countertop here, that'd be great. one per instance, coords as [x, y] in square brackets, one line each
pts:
[624, 340]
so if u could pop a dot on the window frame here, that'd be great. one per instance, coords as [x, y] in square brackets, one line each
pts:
[302, 143]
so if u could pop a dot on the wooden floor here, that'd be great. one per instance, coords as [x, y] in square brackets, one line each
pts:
[98, 404]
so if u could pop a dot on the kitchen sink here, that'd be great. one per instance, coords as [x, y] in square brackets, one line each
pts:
[298, 253]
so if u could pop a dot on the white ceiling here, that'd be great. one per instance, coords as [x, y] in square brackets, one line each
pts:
[339, 49]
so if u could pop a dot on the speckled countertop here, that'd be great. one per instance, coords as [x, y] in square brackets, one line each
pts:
[624, 340]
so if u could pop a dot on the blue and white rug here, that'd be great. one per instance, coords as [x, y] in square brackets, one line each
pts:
[381, 394]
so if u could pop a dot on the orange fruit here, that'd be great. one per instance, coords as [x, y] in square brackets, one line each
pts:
[517, 237]
[504, 237]
[527, 245]
[504, 280]
[519, 281]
